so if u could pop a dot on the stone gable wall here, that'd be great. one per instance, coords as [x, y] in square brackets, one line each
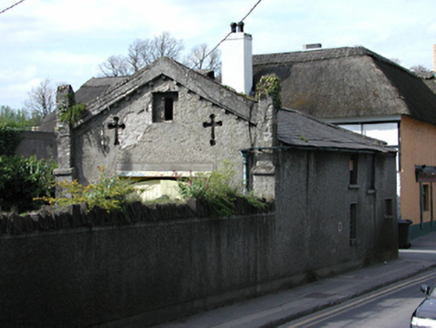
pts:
[183, 141]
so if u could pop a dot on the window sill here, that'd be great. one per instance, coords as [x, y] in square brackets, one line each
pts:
[353, 186]
[353, 242]
[371, 191]
[389, 217]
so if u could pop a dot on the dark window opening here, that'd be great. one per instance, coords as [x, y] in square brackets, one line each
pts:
[389, 208]
[353, 170]
[353, 222]
[163, 106]
[169, 109]
[371, 172]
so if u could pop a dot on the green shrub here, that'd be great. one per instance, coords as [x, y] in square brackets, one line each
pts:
[22, 180]
[109, 193]
[215, 189]
[9, 140]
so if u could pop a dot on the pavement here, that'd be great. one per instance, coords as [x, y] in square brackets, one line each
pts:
[278, 308]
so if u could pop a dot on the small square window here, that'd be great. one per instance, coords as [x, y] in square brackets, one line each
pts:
[163, 106]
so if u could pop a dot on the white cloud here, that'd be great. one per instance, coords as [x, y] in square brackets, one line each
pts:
[67, 40]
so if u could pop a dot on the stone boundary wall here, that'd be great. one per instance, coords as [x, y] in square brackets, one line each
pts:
[39, 143]
[147, 265]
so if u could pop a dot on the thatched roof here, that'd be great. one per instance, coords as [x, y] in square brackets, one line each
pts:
[96, 87]
[302, 131]
[347, 82]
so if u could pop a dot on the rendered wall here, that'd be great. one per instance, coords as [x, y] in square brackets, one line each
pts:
[418, 140]
[180, 144]
[150, 265]
[155, 264]
[40, 144]
[313, 198]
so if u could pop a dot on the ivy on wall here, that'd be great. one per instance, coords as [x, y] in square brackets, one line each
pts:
[69, 111]
[269, 85]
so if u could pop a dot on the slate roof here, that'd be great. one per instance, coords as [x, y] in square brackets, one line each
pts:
[347, 82]
[100, 94]
[302, 131]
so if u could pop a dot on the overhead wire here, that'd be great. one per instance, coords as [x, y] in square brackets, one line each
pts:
[15, 4]
[228, 34]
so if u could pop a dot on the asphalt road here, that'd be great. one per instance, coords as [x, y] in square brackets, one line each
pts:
[387, 307]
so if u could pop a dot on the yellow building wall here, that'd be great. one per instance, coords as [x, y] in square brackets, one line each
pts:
[418, 147]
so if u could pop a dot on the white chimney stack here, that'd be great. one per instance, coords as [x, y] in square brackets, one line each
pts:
[237, 60]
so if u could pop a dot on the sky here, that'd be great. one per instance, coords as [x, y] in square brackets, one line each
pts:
[66, 40]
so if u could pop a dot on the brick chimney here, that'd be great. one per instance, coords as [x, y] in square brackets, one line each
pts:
[237, 60]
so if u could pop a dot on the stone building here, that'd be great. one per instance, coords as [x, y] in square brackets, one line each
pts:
[364, 92]
[334, 190]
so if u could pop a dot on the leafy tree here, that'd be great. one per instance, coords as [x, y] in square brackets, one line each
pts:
[20, 118]
[41, 99]
[23, 179]
[9, 140]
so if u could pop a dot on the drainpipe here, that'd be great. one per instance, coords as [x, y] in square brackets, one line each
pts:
[244, 154]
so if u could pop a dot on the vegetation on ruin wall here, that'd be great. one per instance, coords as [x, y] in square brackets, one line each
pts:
[216, 190]
[69, 111]
[109, 193]
[269, 85]
[114, 193]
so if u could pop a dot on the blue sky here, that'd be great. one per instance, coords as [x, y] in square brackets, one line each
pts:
[67, 40]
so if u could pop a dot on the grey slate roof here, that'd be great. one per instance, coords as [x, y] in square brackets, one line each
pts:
[347, 82]
[112, 90]
[299, 130]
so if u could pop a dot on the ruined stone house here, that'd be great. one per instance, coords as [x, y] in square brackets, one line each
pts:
[334, 190]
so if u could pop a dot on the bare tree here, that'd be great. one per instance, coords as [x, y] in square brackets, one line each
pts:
[41, 99]
[141, 53]
[420, 70]
[116, 66]
[201, 58]
[166, 45]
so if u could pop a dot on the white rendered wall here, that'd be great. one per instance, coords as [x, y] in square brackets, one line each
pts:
[237, 62]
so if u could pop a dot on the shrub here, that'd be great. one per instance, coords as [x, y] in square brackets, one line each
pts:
[24, 179]
[109, 193]
[216, 189]
[9, 140]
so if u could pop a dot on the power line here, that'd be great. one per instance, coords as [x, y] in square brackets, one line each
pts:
[228, 34]
[250, 11]
[15, 4]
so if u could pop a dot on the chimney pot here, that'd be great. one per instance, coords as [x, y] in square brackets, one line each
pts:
[241, 27]
[233, 27]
